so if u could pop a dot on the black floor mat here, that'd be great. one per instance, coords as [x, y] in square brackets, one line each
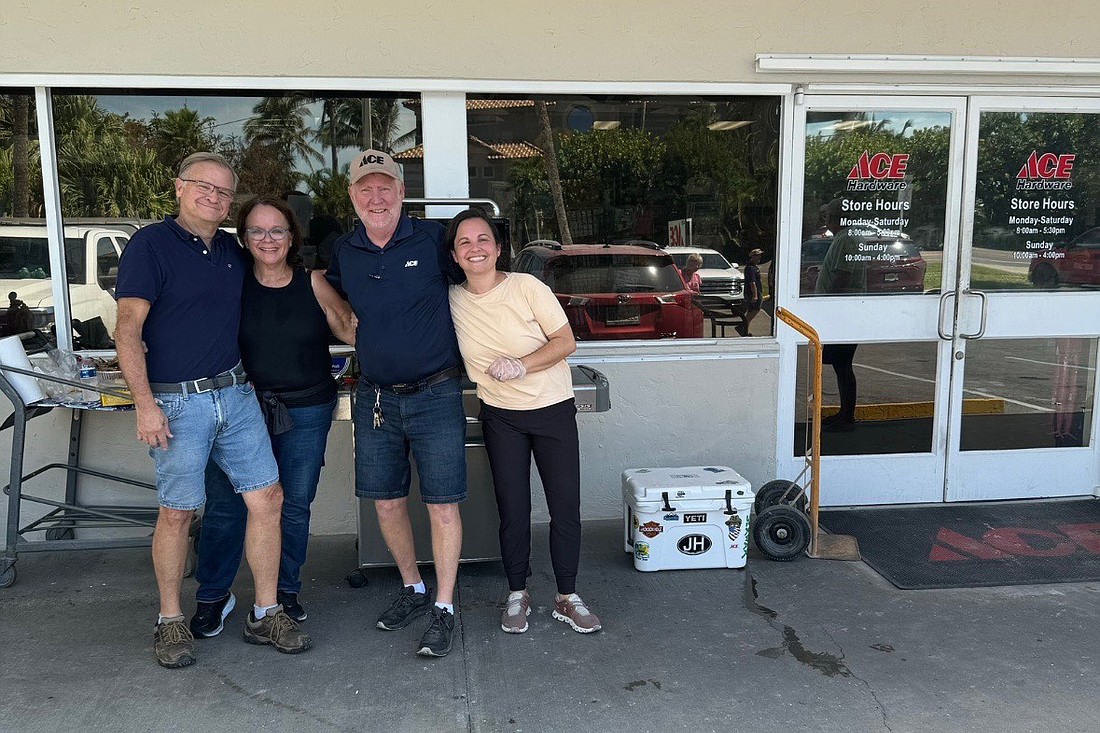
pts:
[956, 546]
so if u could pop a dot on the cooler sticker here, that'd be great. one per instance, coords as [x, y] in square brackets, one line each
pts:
[672, 517]
[681, 494]
[641, 550]
[635, 518]
[651, 529]
[734, 523]
[727, 481]
[695, 518]
[693, 544]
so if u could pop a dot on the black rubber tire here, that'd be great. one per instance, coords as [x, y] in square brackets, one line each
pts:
[1044, 277]
[781, 532]
[59, 533]
[7, 577]
[357, 578]
[772, 493]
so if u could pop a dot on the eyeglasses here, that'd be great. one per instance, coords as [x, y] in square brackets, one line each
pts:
[224, 194]
[277, 234]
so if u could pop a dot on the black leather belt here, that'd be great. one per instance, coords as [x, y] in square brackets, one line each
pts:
[236, 375]
[414, 387]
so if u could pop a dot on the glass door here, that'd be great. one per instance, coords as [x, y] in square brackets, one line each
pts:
[872, 260]
[1024, 341]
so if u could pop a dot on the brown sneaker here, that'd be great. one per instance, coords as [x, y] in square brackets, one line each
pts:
[173, 644]
[572, 611]
[279, 630]
[514, 618]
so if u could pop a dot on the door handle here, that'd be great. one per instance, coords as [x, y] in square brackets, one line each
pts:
[985, 311]
[939, 320]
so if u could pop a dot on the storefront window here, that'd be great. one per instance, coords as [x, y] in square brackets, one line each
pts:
[1051, 386]
[598, 190]
[1035, 207]
[27, 307]
[118, 155]
[875, 202]
[875, 399]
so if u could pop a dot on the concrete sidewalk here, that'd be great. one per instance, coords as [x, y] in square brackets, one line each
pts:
[822, 646]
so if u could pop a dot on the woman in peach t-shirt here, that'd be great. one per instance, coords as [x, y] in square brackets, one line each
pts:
[514, 337]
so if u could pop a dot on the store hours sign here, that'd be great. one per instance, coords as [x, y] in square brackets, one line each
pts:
[1042, 210]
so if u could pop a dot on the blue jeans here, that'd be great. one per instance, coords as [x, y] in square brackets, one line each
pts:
[432, 423]
[223, 426]
[300, 453]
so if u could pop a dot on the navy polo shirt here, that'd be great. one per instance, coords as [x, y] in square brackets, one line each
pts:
[399, 293]
[195, 292]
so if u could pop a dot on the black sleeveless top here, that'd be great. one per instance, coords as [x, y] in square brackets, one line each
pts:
[284, 341]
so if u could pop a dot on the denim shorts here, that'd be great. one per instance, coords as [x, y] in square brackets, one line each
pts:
[432, 423]
[224, 425]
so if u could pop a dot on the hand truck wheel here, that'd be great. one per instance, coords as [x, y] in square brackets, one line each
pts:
[780, 491]
[7, 576]
[781, 532]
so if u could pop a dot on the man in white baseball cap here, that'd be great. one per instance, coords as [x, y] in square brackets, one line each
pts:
[395, 272]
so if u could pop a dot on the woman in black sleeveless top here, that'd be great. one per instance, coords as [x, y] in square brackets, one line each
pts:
[286, 315]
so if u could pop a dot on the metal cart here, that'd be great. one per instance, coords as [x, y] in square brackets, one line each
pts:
[786, 522]
[59, 525]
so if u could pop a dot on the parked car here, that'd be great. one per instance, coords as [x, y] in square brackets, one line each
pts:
[896, 265]
[1076, 263]
[91, 260]
[718, 277]
[615, 291]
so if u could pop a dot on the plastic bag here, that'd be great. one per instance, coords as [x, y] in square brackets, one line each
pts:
[62, 364]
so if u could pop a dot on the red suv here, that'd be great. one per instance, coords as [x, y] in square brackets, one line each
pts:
[615, 291]
[895, 265]
[1076, 263]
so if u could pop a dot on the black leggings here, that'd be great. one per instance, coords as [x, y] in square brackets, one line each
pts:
[841, 357]
[550, 434]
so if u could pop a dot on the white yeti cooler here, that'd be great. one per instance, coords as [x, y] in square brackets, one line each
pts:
[691, 517]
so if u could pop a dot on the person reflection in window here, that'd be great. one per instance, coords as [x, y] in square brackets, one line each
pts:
[843, 272]
[692, 278]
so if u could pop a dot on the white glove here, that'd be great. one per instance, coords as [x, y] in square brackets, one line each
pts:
[504, 368]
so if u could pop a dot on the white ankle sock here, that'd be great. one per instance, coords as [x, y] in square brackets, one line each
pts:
[258, 612]
[448, 607]
[419, 587]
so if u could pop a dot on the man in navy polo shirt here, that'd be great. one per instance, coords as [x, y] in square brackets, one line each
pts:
[179, 291]
[394, 270]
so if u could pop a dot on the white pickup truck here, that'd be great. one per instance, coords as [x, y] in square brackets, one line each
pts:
[91, 259]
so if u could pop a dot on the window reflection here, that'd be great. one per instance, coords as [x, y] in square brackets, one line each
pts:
[1035, 207]
[119, 153]
[648, 177]
[1042, 391]
[27, 307]
[874, 203]
[876, 398]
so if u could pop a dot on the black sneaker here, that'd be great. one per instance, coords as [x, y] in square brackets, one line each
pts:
[436, 641]
[291, 607]
[209, 618]
[402, 611]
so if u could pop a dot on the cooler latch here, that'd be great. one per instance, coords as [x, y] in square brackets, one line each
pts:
[668, 507]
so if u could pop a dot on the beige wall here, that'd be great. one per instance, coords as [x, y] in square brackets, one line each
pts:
[568, 40]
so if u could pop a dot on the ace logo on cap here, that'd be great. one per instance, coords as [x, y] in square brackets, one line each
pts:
[375, 161]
